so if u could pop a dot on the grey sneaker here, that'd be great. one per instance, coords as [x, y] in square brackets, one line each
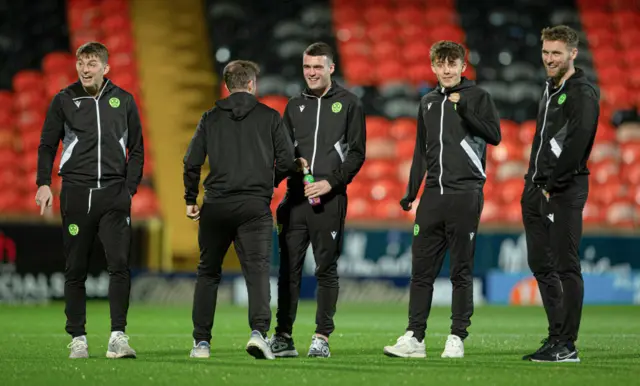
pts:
[282, 346]
[79, 348]
[201, 350]
[258, 347]
[119, 347]
[319, 348]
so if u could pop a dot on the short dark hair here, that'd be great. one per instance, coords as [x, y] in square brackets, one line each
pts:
[320, 49]
[238, 73]
[561, 33]
[93, 48]
[446, 50]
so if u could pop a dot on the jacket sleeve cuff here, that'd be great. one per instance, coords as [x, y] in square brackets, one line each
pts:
[333, 182]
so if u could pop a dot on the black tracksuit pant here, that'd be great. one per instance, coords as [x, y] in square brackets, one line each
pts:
[444, 221]
[104, 212]
[553, 230]
[249, 225]
[299, 224]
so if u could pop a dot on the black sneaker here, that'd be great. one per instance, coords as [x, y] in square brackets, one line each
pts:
[282, 346]
[546, 344]
[560, 352]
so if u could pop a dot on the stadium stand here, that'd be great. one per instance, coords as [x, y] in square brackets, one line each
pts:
[37, 66]
[286, 30]
[383, 56]
[612, 29]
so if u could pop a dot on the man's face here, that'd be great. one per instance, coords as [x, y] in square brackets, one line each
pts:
[448, 71]
[317, 72]
[91, 70]
[557, 58]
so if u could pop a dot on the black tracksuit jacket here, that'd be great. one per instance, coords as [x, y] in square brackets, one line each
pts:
[451, 140]
[242, 139]
[330, 133]
[97, 133]
[565, 133]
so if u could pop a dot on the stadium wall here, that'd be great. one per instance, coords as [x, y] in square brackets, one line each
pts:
[375, 266]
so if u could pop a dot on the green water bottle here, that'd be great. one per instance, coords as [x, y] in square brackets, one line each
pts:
[308, 179]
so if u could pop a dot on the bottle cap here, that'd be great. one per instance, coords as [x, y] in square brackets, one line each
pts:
[306, 170]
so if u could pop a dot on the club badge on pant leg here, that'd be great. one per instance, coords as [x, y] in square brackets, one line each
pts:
[73, 229]
[416, 229]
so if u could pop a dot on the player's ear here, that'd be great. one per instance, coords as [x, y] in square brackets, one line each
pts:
[332, 68]
[464, 66]
[574, 53]
[106, 69]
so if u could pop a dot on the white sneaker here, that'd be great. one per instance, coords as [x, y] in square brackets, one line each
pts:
[201, 350]
[119, 347]
[258, 347]
[454, 348]
[79, 348]
[406, 347]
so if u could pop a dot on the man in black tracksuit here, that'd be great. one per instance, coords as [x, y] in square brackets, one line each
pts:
[101, 167]
[242, 138]
[455, 122]
[327, 126]
[556, 189]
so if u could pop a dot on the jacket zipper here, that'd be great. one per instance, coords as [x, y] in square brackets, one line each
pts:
[441, 144]
[96, 100]
[315, 136]
[544, 123]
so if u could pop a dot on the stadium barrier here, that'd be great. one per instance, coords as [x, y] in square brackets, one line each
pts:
[375, 266]
[32, 261]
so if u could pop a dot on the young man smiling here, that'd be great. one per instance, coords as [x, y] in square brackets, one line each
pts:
[101, 167]
[556, 189]
[327, 126]
[455, 122]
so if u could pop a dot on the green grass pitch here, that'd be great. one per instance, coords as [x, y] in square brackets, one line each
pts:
[33, 349]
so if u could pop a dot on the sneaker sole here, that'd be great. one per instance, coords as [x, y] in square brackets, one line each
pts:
[576, 360]
[286, 354]
[451, 356]
[113, 355]
[256, 352]
[318, 356]
[390, 353]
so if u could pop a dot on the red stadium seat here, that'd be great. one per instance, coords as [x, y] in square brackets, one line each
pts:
[621, 214]
[388, 209]
[386, 188]
[359, 208]
[27, 80]
[405, 148]
[378, 169]
[376, 14]
[403, 128]
[382, 31]
[417, 52]
[377, 127]
[511, 190]
[390, 70]
[409, 15]
[386, 49]
[276, 102]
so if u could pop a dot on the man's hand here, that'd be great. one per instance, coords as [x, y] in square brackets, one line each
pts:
[406, 204]
[44, 198]
[193, 212]
[302, 164]
[317, 189]
[455, 97]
